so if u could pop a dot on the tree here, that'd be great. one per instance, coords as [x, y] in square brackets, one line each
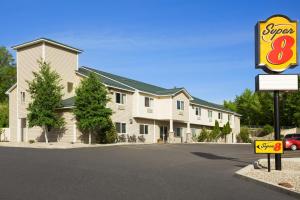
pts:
[226, 130]
[46, 94]
[90, 105]
[107, 134]
[7, 72]
[230, 105]
[203, 135]
[215, 133]
[244, 135]
[4, 115]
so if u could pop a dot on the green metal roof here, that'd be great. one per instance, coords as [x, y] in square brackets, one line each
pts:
[105, 80]
[128, 84]
[68, 102]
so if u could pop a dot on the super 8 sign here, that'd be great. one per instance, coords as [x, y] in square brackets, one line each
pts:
[276, 44]
[268, 146]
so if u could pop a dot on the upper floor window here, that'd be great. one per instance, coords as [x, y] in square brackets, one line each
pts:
[120, 127]
[210, 114]
[178, 132]
[120, 98]
[220, 116]
[143, 129]
[198, 111]
[70, 87]
[22, 97]
[229, 118]
[148, 102]
[180, 105]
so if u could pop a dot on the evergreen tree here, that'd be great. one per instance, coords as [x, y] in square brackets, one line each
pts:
[215, 133]
[46, 94]
[225, 131]
[90, 106]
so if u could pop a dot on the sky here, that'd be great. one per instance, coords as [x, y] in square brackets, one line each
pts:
[205, 46]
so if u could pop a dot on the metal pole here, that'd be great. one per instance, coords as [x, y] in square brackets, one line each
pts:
[269, 163]
[277, 128]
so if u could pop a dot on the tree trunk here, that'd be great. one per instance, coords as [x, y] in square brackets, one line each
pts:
[46, 134]
[90, 137]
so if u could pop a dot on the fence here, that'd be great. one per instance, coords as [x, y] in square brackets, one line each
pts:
[5, 134]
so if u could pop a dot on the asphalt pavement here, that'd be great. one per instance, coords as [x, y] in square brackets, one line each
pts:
[171, 171]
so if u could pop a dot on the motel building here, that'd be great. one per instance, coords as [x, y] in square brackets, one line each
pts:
[159, 114]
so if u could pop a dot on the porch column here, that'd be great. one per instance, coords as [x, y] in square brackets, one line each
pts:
[74, 133]
[188, 132]
[19, 130]
[154, 132]
[171, 132]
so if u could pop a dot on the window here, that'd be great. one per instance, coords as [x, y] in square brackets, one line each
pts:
[198, 111]
[70, 87]
[148, 102]
[193, 132]
[180, 105]
[120, 98]
[210, 114]
[229, 118]
[178, 132]
[143, 129]
[220, 115]
[22, 97]
[121, 127]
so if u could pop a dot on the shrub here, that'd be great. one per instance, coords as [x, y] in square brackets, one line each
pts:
[132, 138]
[122, 138]
[267, 129]
[31, 141]
[107, 134]
[141, 138]
[244, 135]
[203, 135]
[1, 131]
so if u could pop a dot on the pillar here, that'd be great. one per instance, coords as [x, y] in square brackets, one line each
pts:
[171, 132]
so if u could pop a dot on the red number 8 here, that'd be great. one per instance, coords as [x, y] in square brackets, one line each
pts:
[281, 52]
[277, 147]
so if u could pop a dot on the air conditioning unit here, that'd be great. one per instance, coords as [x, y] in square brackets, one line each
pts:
[198, 118]
[210, 119]
[149, 110]
[121, 107]
[180, 112]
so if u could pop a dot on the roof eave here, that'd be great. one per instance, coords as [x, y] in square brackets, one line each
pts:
[16, 47]
[11, 89]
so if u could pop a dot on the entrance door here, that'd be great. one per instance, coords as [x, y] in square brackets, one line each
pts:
[23, 129]
[163, 133]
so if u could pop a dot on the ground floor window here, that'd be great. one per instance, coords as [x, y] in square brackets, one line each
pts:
[143, 129]
[121, 127]
[178, 132]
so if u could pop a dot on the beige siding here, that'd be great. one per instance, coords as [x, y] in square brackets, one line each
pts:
[64, 62]
[13, 115]
[182, 115]
[26, 64]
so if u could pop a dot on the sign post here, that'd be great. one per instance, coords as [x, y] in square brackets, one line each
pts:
[276, 51]
[269, 147]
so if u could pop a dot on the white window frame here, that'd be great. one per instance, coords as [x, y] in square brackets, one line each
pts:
[121, 127]
[181, 105]
[220, 115]
[198, 109]
[143, 130]
[150, 102]
[210, 114]
[23, 97]
[123, 97]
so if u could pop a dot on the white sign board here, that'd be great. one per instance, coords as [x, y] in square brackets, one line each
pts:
[282, 82]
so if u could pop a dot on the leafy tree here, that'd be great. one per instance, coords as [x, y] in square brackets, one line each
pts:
[203, 135]
[215, 133]
[226, 130]
[108, 134]
[244, 135]
[4, 115]
[7, 72]
[90, 106]
[230, 105]
[46, 94]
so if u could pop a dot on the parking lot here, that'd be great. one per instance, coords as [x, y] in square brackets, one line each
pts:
[183, 171]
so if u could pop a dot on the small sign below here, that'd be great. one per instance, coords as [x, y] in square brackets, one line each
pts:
[268, 147]
[286, 82]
